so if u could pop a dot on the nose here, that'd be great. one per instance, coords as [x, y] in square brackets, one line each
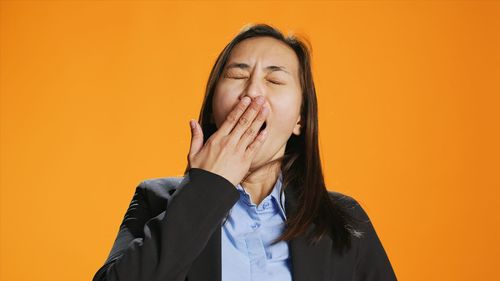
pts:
[254, 98]
[254, 89]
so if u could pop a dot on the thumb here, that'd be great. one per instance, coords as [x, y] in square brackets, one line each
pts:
[196, 138]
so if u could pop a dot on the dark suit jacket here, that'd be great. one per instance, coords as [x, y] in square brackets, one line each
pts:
[175, 240]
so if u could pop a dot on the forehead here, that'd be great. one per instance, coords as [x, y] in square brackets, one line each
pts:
[265, 50]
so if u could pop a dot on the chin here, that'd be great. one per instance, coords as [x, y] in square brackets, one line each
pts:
[261, 158]
[257, 160]
[258, 156]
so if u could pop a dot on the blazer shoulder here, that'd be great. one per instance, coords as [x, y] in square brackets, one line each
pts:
[342, 198]
[351, 204]
[158, 191]
[372, 262]
[161, 184]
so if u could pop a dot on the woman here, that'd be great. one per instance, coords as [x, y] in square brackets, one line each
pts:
[252, 204]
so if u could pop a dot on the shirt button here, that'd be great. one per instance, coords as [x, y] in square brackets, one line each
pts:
[266, 205]
[255, 225]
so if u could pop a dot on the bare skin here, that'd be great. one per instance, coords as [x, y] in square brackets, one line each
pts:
[239, 154]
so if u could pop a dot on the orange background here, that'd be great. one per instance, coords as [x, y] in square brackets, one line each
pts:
[96, 96]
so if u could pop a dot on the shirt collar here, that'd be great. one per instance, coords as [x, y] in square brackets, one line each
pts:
[275, 194]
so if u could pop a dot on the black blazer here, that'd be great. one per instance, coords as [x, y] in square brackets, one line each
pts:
[176, 240]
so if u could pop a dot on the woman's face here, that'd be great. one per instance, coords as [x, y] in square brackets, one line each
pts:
[268, 67]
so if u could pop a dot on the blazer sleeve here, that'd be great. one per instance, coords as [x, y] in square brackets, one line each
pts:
[372, 262]
[164, 247]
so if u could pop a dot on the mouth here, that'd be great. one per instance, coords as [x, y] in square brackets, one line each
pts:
[263, 126]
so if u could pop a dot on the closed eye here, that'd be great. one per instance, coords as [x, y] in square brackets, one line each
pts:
[245, 77]
[236, 77]
[275, 82]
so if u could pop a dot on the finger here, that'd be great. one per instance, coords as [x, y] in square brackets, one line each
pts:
[246, 119]
[253, 130]
[233, 117]
[196, 139]
[256, 144]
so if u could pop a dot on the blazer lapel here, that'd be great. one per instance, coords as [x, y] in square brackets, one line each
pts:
[309, 262]
[207, 267]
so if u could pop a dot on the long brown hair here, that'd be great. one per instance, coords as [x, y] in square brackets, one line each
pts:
[301, 163]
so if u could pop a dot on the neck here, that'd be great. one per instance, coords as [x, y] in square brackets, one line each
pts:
[260, 181]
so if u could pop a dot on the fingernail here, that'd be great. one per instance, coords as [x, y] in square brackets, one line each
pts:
[192, 123]
[245, 100]
[259, 100]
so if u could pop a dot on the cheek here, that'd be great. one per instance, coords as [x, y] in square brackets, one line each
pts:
[285, 112]
[285, 119]
[222, 103]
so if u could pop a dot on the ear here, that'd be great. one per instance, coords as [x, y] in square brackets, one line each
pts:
[297, 128]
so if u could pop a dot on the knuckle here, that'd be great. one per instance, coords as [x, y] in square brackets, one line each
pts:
[255, 110]
[251, 147]
[241, 107]
[210, 142]
[231, 117]
[243, 121]
[250, 131]
[225, 142]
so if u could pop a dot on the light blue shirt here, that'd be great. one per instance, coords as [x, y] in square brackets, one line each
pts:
[247, 253]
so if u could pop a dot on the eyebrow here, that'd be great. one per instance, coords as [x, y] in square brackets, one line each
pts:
[246, 67]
